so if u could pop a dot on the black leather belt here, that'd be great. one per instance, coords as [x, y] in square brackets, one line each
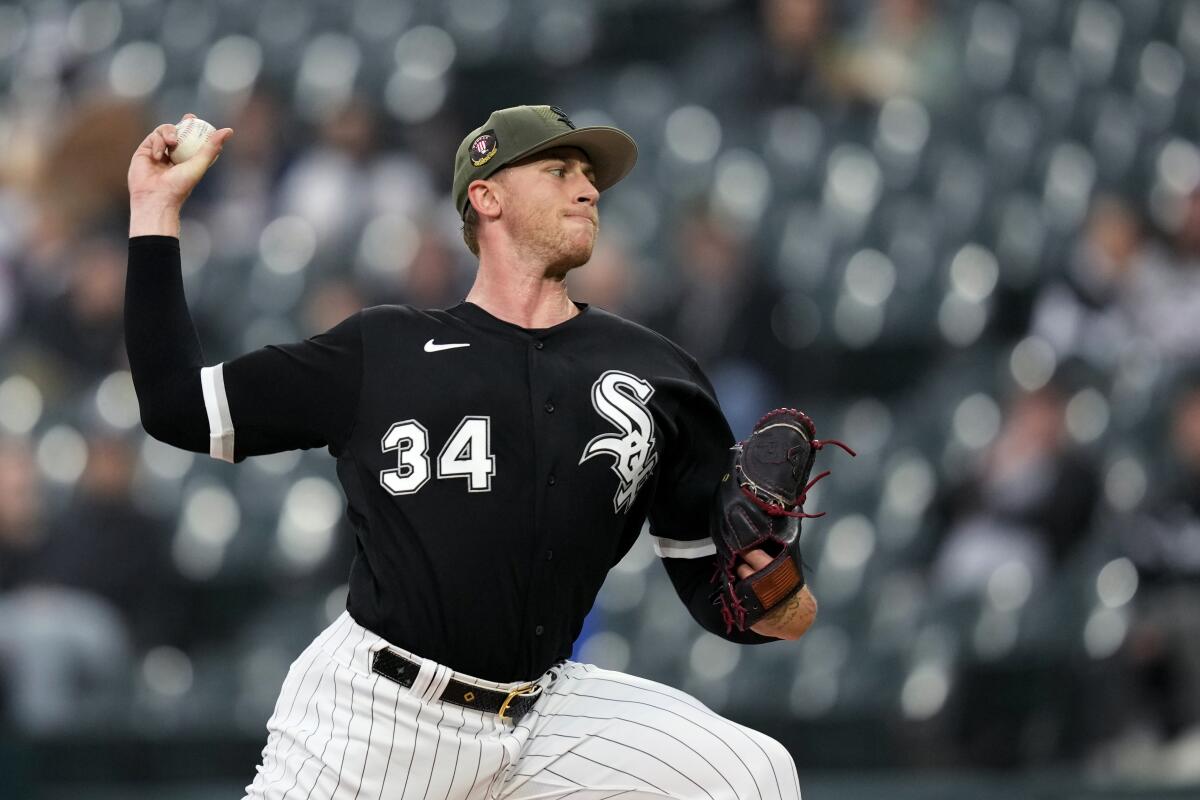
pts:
[510, 705]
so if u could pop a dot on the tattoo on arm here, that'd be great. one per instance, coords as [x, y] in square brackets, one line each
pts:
[783, 613]
[790, 619]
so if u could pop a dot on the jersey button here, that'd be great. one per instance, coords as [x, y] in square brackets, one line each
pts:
[539, 630]
[552, 480]
[549, 407]
[549, 555]
[539, 345]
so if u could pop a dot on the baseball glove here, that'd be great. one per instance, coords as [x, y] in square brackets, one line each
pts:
[759, 504]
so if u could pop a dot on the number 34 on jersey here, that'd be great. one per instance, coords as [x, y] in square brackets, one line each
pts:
[467, 454]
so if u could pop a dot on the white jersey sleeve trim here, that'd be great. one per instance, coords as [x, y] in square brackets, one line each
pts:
[679, 548]
[220, 422]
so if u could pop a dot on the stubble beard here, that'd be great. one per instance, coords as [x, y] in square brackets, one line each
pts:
[544, 241]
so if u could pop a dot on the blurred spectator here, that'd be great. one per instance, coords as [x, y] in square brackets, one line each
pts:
[1028, 501]
[82, 325]
[64, 660]
[69, 169]
[64, 650]
[81, 168]
[608, 280]
[1163, 540]
[83, 172]
[718, 314]
[433, 279]
[715, 311]
[1091, 313]
[22, 523]
[787, 59]
[343, 180]
[101, 545]
[329, 303]
[241, 193]
[17, 155]
[902, 48]
[1122, 293]
[10, 299]
[409, 260]
[1169, 295]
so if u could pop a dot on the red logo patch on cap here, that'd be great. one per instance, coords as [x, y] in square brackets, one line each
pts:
[483, 148]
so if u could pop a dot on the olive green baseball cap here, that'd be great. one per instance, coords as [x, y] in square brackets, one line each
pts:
[511, 134]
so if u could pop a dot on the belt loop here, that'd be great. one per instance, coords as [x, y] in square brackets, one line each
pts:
[425, 676]
[437, 683]
[370, 654]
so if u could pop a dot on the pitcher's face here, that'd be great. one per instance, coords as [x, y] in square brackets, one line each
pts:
[550, 207]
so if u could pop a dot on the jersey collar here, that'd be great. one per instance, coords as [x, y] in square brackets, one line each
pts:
[475, 315]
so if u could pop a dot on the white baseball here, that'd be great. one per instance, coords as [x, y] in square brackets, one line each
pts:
[191, 135]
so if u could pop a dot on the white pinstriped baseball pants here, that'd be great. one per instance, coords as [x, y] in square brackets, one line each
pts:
[341, 731]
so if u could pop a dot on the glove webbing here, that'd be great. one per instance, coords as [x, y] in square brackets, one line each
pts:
[779, 506]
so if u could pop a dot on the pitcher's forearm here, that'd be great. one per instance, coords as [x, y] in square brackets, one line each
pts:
[152, 217]
[164, 352]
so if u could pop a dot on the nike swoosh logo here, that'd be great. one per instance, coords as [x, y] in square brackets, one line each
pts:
[430, 347]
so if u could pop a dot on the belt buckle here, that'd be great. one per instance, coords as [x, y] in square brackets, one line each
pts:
[528, 690]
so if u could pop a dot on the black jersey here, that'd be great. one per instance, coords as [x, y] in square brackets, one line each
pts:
[493, 474]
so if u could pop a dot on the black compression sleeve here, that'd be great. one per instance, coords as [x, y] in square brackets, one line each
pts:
[692, 578]
[164, 351]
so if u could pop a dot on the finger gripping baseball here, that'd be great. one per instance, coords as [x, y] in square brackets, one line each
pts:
[759, 505]
[191, 137]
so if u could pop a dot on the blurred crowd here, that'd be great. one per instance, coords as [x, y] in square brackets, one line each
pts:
[965, 236]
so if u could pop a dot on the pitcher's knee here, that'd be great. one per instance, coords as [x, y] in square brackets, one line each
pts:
[773, 771]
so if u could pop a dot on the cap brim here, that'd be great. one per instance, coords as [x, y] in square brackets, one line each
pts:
[612, 151]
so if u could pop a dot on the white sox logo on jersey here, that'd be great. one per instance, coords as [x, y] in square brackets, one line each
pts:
[621, 399]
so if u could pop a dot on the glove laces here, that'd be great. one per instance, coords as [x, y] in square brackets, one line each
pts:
[779, 509]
